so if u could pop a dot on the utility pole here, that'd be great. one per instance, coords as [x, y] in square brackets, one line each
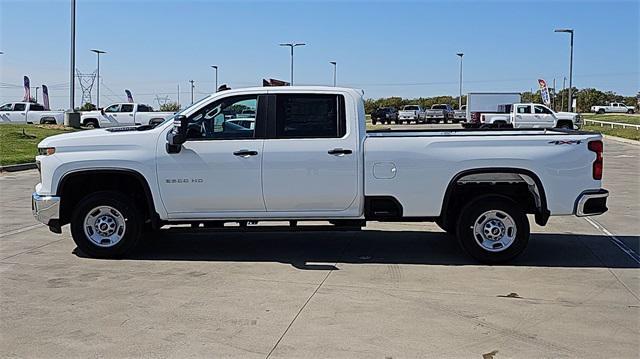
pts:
[460, 98]
[335, 70]
[216, 68]
[192, 87]
[98, 52]
[178, 96]
[570, 102]
[292, 45]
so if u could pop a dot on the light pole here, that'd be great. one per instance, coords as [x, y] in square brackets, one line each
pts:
[570, 102]
[460, 98]
[216, 68]
[72, 88]
[292, 45]
[335, 69]
[37, 88]
[98, 52]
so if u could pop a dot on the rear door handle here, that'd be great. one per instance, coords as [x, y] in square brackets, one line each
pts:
[245, 153]
[339, 152]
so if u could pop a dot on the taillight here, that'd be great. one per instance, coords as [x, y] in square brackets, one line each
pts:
[597, 146]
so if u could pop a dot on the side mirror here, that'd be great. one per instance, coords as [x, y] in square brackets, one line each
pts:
[178, 134]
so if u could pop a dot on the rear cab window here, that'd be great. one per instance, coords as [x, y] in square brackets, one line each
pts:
[310, 116]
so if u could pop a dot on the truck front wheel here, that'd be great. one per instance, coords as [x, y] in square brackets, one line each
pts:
[493, 229]
[106, 225]
[600, 111]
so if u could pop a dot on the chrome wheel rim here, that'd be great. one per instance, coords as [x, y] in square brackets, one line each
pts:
[104, 226]
[494, 231]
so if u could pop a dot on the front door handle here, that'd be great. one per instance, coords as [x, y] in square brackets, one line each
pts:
[339, 152]
[245, 153]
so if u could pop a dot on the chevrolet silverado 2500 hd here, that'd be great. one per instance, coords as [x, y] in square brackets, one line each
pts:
[309, 157]
[28, 112]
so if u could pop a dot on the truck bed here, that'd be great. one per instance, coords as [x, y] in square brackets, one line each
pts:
[474, 132]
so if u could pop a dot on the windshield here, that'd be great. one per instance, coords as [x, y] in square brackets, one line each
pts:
[411, 108]
[170, 118]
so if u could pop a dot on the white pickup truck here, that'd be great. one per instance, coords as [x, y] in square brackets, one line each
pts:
[411, 113]
[613, 107]
[123, 114]
[439, 112]
[28, 112]
[531, 115]
[309, 158]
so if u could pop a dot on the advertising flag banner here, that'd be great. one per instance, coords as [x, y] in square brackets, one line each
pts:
[129, 96]
[27, 90]
[544, 92]
[45, 97]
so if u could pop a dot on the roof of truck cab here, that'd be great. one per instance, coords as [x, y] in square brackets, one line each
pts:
[308, 89]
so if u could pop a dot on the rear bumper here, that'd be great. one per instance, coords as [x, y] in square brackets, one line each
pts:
[46, 209]
[592, 203]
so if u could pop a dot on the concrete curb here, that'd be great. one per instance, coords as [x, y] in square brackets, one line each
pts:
[18, 167]
[620, 139]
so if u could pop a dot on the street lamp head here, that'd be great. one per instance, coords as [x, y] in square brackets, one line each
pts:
[564, 30]
[333, 63]
[214, 66]
[293, 44]
[98, 51]
[460, 54]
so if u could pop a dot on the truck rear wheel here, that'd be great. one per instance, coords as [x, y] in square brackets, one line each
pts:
[630, 112]
[106, 225]
[600, 111]
[91, 123]
[493, 229]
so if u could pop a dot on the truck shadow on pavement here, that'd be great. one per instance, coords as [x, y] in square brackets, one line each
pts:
[306, 248]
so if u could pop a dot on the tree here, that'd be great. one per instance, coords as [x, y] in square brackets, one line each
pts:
[170, 107]
[88, 107]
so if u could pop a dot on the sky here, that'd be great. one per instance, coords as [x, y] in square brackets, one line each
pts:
[386, 48]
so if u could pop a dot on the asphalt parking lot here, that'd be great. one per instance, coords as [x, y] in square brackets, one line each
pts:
[397, 290]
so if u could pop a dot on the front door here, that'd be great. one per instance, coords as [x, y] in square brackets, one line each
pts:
[217, 173]
[543, 116]
[310, 159]
[5, 113]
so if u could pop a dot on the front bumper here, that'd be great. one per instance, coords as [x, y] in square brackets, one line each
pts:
[592, 203]
[46, 209]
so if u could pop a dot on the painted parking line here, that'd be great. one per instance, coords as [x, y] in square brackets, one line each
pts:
[620, 244]
[20, 230]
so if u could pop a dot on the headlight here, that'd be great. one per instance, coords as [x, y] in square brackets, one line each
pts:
[46, 151]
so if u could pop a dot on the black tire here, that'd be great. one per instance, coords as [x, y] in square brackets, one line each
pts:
[91, 123]
[565, 126]
[600, 111]
[474, 212]
[131, 233]
[631, 112]
[373, 121]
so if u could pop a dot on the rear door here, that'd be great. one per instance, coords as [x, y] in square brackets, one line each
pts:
[310, 159]
[523, 116]
[19, 113]
[125, 116]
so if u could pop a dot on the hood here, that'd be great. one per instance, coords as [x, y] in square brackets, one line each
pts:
[101, 140]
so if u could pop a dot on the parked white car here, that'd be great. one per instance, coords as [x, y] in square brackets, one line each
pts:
[309, 157]
[123, 114]
[613, 107]
[411, 113]
[28, 112]
[532, 115]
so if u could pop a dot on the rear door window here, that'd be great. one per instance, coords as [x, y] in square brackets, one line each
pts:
[19, 107]
[524, 109]
[126, 108]
[310, 116]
